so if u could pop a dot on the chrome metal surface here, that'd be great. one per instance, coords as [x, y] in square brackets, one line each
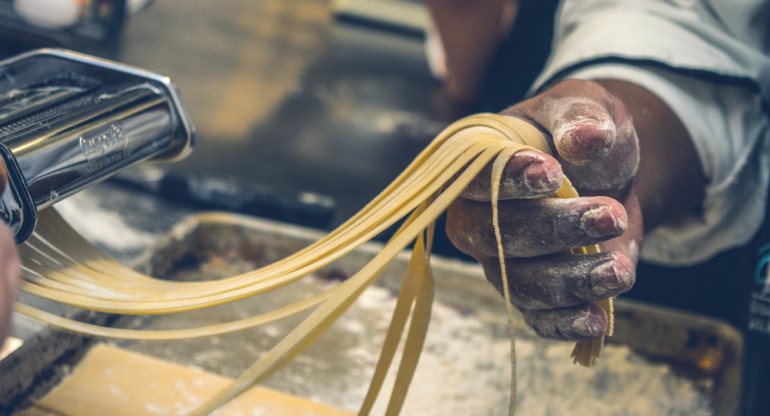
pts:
[85, 147]
[68, 120]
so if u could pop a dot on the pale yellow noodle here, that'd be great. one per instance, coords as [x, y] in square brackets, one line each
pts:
[497, 174]
[63, 267]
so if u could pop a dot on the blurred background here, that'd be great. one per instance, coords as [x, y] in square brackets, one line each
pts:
[327, 97]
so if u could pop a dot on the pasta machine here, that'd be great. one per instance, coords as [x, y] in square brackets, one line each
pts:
[68, 120]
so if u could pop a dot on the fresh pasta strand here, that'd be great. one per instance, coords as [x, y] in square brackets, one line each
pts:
[63, 267]
[497, 173]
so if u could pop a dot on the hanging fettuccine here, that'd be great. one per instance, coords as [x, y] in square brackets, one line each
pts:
[61, 266]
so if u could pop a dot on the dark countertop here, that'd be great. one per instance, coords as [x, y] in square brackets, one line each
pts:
[283, 94]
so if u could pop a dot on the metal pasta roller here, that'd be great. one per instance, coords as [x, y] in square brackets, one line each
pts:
[69, 120]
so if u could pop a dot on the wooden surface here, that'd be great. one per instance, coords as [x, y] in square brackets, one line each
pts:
[116, 382]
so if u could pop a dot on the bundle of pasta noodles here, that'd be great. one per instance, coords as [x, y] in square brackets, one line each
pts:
[63, 267]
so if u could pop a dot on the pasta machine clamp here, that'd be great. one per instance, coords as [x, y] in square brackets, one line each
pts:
[69, 120]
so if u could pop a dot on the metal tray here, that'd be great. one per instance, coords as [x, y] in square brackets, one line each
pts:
[659, 361]
[464, 367]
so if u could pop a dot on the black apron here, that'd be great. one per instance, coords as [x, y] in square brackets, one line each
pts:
[729, 287]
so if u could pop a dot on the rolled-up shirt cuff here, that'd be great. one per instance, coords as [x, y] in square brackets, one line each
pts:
[730, 134]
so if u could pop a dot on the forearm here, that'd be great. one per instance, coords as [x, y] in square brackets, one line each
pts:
[470, 33]
[10, 270]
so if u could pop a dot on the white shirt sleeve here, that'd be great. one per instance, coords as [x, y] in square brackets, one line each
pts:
[684, 53]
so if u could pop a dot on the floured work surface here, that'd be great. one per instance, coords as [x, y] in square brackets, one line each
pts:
[659, 362]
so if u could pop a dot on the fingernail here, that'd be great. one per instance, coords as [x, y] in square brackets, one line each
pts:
[601, 222]
[605, 277]
[590, 325]
[584, 139]
[539, 178]
[611, 275]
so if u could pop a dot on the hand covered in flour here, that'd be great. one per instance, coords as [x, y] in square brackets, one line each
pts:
[10, 269]
[596, 147]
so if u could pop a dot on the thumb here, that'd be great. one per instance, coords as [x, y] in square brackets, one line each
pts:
[582, 129]
[592, 133]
